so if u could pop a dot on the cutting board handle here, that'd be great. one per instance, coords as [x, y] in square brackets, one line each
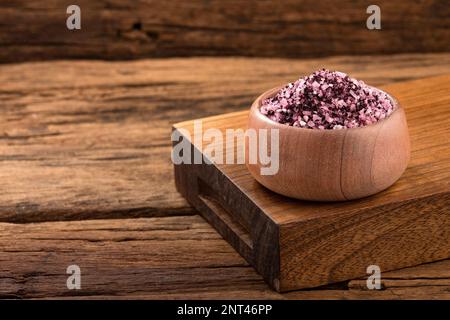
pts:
[221, 215]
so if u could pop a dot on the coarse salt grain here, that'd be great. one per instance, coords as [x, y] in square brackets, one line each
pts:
[328, 100]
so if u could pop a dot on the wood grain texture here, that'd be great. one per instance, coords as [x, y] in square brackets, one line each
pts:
[321, 243]
[116, 29]
[72, 119]
[328, 165]
[104, 127]
[165, 258]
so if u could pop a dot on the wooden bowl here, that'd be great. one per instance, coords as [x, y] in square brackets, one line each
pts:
[334, 165]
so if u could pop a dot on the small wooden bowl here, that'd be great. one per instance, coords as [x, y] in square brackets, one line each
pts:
[334, 165]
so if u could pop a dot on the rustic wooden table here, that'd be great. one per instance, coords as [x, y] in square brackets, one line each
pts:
[87, 178]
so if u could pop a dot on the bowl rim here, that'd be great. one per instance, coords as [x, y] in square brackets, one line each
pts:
[258, 102]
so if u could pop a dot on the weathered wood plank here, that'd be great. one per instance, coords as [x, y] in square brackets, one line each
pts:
[90, 139]
[163, 258]
[175, 255]
[114, 29]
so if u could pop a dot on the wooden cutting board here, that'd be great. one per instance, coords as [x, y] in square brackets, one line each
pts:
[297, 244]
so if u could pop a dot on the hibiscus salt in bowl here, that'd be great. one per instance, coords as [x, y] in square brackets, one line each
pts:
[338, 138]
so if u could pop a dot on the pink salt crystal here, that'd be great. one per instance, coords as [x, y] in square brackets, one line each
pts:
[334, 101]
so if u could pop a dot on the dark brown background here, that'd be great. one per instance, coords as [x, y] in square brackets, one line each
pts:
[117, 29]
